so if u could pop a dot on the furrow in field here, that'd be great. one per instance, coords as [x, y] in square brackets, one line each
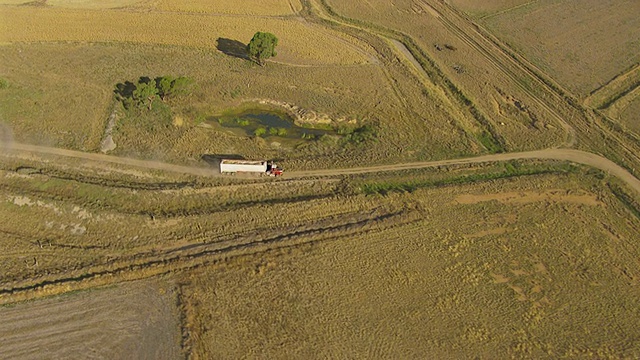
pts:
[191, 255]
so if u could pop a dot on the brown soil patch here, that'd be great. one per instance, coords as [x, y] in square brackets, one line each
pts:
[556, 195]
[131, 321]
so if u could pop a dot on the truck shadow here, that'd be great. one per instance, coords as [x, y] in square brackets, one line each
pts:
[232, 48]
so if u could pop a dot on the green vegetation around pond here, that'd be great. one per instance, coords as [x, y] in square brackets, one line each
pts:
[266, 124]
[271, 123]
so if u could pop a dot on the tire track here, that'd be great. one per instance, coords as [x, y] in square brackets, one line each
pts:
[499, 65]
[614, 138]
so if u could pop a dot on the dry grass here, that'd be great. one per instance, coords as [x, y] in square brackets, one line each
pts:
[545, 273]
[237, 7]
[74, 4]
[56, 223]
[300, 43]
[605, 96]
[60, 94]
[491, 90]
[488, 8]
[535, 266]
[91, 4]
[543, 265]
[630, 115]
[582, 45]
[413, 123]
[13, 2]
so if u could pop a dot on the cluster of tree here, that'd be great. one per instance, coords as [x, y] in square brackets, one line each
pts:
[143, 93]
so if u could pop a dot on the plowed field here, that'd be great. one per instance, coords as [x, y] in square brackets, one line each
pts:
[130, 321]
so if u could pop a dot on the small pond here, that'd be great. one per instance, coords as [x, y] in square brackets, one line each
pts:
[266, 124]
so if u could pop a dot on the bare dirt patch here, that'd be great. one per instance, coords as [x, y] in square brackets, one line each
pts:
[130, 321]
[556, 195]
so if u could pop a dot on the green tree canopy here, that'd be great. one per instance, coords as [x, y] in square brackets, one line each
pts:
[145, 93]
[169, 86]
[262, 46]
[164, 85]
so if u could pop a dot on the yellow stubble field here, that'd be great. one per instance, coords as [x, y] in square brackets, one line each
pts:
[526, 269]
[582, 45]
[239, 7]
[299, 42]
[244, 7]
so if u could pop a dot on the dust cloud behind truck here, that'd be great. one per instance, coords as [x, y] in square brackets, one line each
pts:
[262, 167]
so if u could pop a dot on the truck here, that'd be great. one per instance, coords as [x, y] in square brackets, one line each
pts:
[262, 167]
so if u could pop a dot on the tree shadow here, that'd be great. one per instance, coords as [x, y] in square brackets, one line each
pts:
[233, 48]
[124, 90]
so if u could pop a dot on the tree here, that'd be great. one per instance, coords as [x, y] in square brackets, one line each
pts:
[262, 46]
[164, 85]
[169, 86]
[145, 93]
[181, 85]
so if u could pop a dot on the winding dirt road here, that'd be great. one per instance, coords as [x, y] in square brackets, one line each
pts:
[575, 156]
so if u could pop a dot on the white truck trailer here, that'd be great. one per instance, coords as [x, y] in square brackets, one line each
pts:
[249, 166]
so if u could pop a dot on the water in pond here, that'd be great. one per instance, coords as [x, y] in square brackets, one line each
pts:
[266, 124]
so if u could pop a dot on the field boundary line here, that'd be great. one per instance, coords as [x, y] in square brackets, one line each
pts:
[617, 88]
[504, 11]
[501, 59]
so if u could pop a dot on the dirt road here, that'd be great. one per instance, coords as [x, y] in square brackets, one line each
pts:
[576, 156]
[148, 164]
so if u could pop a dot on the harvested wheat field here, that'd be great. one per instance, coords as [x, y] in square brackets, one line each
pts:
[238, 7]
[550, 271]
[630, 115]
[581, 44]
[78, 25]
